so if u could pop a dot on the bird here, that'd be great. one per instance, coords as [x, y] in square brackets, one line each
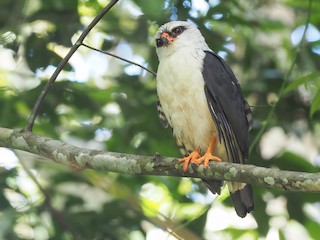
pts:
[201, 99]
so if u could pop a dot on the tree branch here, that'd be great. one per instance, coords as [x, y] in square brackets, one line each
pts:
[79, 158]
[62, 64]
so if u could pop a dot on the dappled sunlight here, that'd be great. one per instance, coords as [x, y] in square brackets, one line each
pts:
[276, 141]
[104, 103]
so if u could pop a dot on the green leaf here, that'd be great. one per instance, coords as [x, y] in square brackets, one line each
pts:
[293, 162]
[313, 228]
[303, 80]
[315, 106]
[152, 9]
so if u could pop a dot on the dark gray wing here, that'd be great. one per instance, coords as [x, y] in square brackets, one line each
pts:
[227, 105]
[232, 117]
[163, 120]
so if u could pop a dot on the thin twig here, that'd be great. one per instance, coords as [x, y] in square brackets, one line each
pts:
[62, 64]
[284, 83]
[123, 59]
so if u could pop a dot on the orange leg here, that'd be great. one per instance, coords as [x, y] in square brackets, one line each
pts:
[192, 157]
[208, 155]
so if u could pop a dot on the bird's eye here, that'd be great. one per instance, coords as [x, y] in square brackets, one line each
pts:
[177, 30]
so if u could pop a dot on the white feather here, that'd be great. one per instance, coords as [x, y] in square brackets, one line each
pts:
[180, 87]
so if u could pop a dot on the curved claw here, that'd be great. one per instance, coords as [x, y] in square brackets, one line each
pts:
[186, 160]
[205, 159]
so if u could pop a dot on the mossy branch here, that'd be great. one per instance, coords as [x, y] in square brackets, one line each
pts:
[80, 158]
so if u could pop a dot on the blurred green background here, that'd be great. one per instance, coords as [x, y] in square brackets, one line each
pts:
[99, 102]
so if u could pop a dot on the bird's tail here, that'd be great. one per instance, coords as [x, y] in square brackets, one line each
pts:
[214, 185]
[242, 197]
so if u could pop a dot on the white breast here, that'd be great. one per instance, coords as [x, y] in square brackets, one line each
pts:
[180, 88]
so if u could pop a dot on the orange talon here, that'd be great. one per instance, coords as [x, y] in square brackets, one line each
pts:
[208, 155]
[192, 157]
[205, 159]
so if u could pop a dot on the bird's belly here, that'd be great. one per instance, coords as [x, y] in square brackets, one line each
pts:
[191, 122]
[184, 103]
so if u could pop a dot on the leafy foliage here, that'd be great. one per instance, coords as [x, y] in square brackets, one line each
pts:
[102, 103]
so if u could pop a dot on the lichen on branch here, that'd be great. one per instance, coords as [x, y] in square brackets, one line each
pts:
[81, 158]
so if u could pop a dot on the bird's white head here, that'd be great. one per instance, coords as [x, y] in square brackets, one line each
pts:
[178, 35]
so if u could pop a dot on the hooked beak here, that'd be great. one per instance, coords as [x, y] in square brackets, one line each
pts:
[164, 40]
